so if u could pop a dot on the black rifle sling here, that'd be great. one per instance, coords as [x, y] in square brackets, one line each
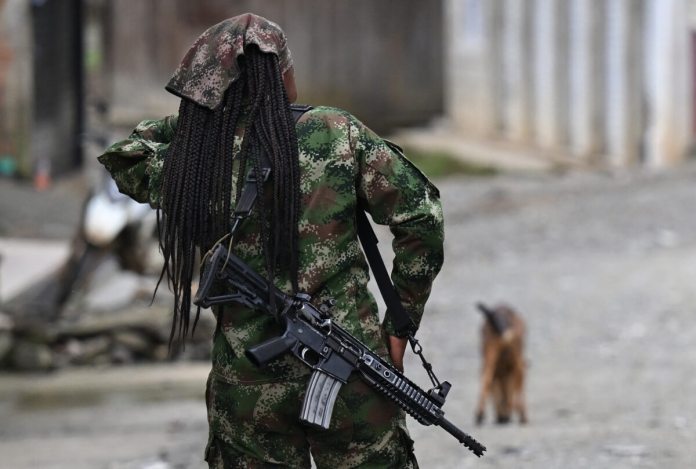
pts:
[399, 317]
[299, 109]
[247, 198]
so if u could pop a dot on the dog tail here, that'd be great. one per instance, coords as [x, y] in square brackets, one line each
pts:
[498, 321]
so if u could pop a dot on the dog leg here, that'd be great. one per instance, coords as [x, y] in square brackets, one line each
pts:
[490, 358]
[520, 401]
[504, 399]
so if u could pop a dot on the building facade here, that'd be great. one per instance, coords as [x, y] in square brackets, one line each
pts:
[599, 82]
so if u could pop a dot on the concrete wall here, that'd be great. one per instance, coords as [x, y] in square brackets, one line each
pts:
[605, 82]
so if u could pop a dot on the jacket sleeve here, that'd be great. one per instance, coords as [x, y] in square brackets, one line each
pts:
[397, 194]
[136, 162]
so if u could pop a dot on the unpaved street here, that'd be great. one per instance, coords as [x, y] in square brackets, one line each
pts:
[603, 269]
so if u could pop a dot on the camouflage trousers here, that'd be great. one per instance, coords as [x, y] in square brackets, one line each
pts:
[257, 426]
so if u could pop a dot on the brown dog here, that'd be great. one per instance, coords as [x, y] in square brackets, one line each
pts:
[504, 366]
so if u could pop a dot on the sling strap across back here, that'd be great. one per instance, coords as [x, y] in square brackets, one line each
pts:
[398, 316]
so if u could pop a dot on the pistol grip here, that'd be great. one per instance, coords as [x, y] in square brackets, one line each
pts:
[320, 399]
[261, 354]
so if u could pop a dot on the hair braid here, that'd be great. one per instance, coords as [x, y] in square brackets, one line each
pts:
[197, 187]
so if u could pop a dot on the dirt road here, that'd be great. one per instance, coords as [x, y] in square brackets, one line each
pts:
[602, 267]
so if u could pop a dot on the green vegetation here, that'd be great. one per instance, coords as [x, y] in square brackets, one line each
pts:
[438, 164]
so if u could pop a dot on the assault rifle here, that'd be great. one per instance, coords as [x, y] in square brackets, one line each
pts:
[323, 345]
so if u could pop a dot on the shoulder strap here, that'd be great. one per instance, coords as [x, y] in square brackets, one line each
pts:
[402, 322]
[247, 199]
[399, 317]
[299, 109]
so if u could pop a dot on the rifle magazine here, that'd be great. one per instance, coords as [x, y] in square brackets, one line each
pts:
[320, 399]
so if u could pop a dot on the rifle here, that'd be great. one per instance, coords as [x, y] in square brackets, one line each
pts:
[323, 345]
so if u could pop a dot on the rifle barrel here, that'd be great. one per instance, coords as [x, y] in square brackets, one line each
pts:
[467, 440]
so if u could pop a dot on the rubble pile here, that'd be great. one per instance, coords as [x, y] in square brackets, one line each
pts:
[137, 335]
[114, 320]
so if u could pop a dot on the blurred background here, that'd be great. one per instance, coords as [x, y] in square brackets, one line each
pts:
[560, 133]
[603, 82]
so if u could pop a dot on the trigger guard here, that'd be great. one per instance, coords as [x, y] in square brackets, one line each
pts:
[308, 356]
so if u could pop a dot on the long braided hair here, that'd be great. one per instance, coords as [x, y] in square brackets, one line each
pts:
[196, 205]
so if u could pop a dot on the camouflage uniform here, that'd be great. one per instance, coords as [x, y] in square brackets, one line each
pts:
[253, 413]
[210, 65]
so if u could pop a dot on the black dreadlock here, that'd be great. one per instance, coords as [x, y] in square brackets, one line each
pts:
[196, 208]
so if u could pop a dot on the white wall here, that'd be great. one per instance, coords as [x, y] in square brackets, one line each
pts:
[607, 82]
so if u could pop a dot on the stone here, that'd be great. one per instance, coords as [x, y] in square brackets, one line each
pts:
[31, 356]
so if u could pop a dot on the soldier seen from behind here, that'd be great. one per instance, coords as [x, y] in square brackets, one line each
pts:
[236, 84]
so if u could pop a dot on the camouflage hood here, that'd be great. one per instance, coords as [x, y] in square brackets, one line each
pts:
[210, 65]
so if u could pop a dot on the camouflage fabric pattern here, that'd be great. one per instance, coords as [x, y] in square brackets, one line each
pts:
[343, 165]
[258, 422]
[210, 65]
[136, 163]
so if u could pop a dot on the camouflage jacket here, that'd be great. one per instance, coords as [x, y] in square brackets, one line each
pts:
[342, 162]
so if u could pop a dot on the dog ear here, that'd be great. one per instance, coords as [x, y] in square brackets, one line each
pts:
[494, 318]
